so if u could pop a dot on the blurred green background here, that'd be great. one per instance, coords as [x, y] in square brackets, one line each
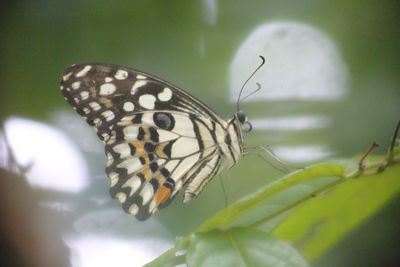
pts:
[192, 44]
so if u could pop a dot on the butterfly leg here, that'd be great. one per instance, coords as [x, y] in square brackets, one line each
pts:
[263, 153]
[223, 190]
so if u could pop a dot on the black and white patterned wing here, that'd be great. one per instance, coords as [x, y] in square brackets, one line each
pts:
[157, 136]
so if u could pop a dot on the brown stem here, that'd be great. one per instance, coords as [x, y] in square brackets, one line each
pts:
[371, 147]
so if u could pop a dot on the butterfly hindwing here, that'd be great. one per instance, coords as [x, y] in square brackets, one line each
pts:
[148, 165]
[158, 138]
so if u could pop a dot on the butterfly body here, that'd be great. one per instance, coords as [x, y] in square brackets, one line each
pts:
[157, 137]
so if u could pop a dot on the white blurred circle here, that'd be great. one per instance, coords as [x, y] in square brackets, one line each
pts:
[301, 63]
[52, 160]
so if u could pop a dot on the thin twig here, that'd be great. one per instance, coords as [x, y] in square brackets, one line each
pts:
[371, 147]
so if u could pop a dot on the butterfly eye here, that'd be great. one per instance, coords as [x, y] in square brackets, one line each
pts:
[164, 120]
[247, 127]
[241, 116]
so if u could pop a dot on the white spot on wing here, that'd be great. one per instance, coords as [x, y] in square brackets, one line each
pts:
[95, 106]
[153, 206]
[184, 126]
[97, 122]
[108, 115]
[205, 134]
[128, 106]
[121, 197]
[84, 71]
[164, 135]
[108, 79]
[122, 149]
[110, 161]
[111, 140]
[105, 136]
[137, 85]
[160, 162]
[84, 95]
[184, 146]
[107, 89]
[147, 118]
[121, 75]
[76, 85]
[147, 101]
[147, 193]
[134, 183]
[133, 209]
[165, 95]
[127, 118]
[140, 77]
[131, 165]
[184, 166]
[66, 76]
[114, 178]
[170, 166]
[130, 132]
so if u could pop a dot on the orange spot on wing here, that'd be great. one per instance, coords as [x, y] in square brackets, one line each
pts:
[139, 148]
[146, 172]
[160, 178]
[105, 101]
[93, 92]
[160, 150]
[162, 195]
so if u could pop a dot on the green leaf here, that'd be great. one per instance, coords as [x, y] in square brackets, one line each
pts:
[318, 224]
[170, 257]
[240, 247]
[236, 211]
[316, 207]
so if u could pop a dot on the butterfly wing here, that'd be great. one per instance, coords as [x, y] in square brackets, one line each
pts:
[157, 136]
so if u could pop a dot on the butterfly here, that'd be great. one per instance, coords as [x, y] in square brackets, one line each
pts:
[158, 138]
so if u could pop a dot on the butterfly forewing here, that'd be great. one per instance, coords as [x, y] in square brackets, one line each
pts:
[157, 137]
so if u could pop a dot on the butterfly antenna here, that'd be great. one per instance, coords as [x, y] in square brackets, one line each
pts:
[241, 89]
[255, 91]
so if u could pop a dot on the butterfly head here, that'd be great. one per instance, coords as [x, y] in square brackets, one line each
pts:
[242, 118]
[240, 115]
